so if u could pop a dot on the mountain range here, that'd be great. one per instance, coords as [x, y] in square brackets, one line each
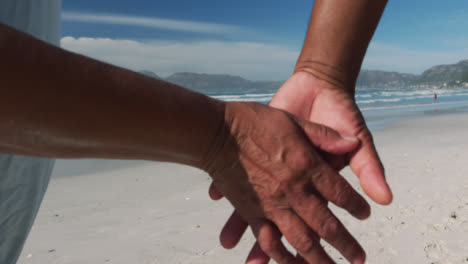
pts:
[214, 84]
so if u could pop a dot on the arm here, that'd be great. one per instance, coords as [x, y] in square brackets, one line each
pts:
[59, 104]
[337, 39]
[325, 76]
[56, 103]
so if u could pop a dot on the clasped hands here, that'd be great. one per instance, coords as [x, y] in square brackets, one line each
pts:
[279, 169]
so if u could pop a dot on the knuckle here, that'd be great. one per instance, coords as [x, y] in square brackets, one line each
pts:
[279, 189]
[270, 246]
[329, 228]
[269, 214]
[365, 135]
[343, 196]
[272, 211]
[322, 132]
[304, 244]
[318, 175]
[317, 206]
[301, 160]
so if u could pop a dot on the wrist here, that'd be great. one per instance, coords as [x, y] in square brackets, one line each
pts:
[223, 153]
[219, 140]
[333, 76]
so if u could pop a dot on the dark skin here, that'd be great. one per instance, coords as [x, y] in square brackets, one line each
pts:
[265, 161]
[321, 90]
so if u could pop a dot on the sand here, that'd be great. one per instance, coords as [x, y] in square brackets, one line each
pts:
[160, 213]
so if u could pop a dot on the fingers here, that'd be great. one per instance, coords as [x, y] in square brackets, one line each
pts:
[327, 181]
[315, 213]
[334, 188]
[336, 162]
[366, 164]
[301, 237]
[232, 231]
[235, 226]
[269, 240]
[328, 139]
[300, 259]
[257, 256]
[214, 193]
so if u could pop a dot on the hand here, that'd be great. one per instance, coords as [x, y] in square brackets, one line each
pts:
[270, 170]
[319, 101]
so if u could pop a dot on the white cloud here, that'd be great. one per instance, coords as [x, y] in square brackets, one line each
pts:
[160, 23]
[253, 61]
[394, 58]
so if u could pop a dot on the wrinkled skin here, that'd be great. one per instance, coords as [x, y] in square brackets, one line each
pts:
[318, 101]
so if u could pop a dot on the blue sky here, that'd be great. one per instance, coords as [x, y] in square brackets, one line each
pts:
[254, 39]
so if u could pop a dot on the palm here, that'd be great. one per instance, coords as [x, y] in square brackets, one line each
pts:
[317, 101]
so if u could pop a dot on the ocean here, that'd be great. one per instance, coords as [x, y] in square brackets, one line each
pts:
[382, 107]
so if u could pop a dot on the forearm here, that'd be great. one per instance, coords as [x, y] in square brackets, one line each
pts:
[337, 39]
[58, 104]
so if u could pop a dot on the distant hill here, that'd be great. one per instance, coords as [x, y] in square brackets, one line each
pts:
[150, 74]
[444, 73]
[222, 83]
[369, 78]
[215, 84]
[435, 75]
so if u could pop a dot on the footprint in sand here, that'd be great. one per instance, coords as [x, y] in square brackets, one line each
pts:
[435, 251]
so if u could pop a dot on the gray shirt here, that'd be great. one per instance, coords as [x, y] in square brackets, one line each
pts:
[24, 180]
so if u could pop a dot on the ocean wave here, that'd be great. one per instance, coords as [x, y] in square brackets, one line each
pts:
[363, 95]
[405, 93]
[241, 97]
[371, 98]
[411, 105]
[378, 101]
[260, 95]
[411, 96]
[409, 93]
[258, 99]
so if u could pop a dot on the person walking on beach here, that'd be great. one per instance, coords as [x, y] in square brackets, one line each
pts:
[267, 162]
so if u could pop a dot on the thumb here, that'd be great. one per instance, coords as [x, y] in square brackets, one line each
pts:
[367, 166]
[328, 139]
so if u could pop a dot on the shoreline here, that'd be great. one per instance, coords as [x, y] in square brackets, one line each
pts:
[383, 118]
[161, 213]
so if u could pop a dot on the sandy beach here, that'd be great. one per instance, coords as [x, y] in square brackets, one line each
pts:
[146, 213]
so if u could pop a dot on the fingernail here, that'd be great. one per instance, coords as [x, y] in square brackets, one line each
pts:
[350, 138]
[385, 193]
